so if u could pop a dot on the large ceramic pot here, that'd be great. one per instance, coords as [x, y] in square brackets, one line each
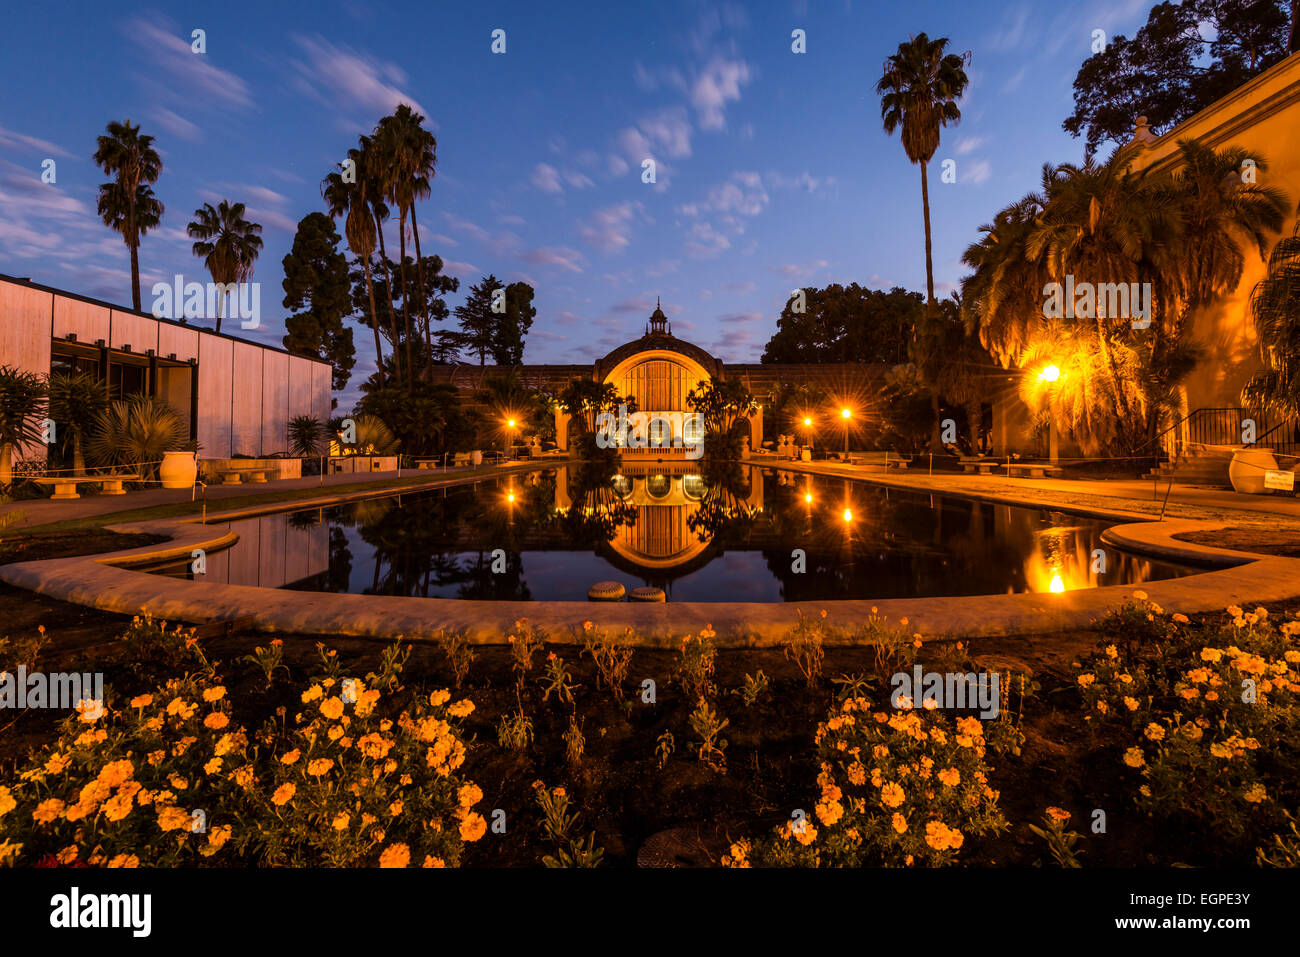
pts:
[179, 469]
[1248, 467]
[476, 457]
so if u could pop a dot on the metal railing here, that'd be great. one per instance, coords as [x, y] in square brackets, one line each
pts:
[1227, 427]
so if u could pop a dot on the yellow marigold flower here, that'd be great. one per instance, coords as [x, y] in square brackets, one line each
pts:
[803, 832]
[899, 822]
[1086, 679]
[1256, 794]
[319, 766]
[828, 812]
[891, 795]
[142, 701]
[68, 854]
[1140, 595]
[461, 708]
[47, 811]
[1112, 651]
[340, 822]
[291, 757]
[214, 694]
[216, 721]
[311, 694]
[178, 782]
[57, 763]
[469, 794]
[115, 772]
[472, 826]
[431, 861]
[284, 793]
[212, 767]
[374, 745]
[1155, 732]
[1058, 814]
[950, 777]
[438, 698]
[857, 773]
[7, 802]
[398, 855]
[1220, 750]
[172, 818]
[332, 708]
[941, 837]
[118, 806]
[219, 835]
[1131, 703]
[1133, 758]
[395, 809]
[124, 861]
[1212, 655]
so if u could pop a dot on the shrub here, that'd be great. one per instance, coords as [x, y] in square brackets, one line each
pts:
[896, 790]
[334, 789]
[612, 659]
[695, 667]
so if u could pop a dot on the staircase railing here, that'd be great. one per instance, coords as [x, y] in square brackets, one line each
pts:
[1228, 427]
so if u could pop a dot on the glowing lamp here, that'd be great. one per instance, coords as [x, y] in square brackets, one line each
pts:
[1057, 586]
[846, 413]
[808, 497]
[1050, 374]
[848, 515]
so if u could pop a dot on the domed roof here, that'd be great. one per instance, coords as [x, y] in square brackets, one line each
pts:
[659, 337]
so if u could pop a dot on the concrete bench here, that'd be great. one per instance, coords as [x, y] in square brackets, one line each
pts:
[460, 459]
[1032, 470]
[427, 463]
[982, 466]
[235, 476]
[65, 487]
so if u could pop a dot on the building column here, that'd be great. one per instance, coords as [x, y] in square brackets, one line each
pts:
[756, 429]
[562, 430]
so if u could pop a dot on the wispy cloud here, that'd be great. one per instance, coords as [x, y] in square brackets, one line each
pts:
[335, 74]
[188, 74]
[610, 229]
[19, 142]
[560, 256]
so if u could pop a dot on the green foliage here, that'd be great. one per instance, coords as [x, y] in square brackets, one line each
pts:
[135, 432]
[846, 324]
[306, 435]
[906, 411]
[1275, 310]
[806, 647]
[754, 688]
[1169, 70]
[558, 825]
[228, 243]
[317, 287]
[707, 725]
[696, 664]
[611, 657]
[22, 402]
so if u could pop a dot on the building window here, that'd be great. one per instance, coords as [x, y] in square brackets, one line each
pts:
[127, 380]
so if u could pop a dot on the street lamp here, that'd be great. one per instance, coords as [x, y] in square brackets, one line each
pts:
[846, 413]
[1051, 374]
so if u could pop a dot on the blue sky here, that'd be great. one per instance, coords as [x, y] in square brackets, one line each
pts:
[773, 170]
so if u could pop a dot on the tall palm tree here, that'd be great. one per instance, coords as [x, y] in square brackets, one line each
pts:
[411, 158]
[919, 92]
[346, 196]
[1275, 309]
[22, 401]
[127, 204]
[404, 146]
[228, 243]
[372, 161]
[75, 402]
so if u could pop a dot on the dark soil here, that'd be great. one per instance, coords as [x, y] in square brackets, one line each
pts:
[33, 548]
[1265, 541]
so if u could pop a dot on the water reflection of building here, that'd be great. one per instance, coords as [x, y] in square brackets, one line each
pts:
[273, 551]
[664, 499]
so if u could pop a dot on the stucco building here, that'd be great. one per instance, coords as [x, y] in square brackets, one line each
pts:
[234, 397]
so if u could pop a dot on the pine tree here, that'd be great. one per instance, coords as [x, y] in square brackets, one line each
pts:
[316, 286]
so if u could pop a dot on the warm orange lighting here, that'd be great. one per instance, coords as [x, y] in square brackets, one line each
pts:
[807, 422]
[510, 497]
[848, 515]
[1050, 374]
[510, 424]
[846, 413]
[808, 497]
[1058, 585]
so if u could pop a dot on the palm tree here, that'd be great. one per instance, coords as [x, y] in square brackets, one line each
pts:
[127, 204]
[918, 92]
[305, 433]
[346, 196]
[228, 243]
[411, 158]
[404, 147]
[22, 401]
[1275, 309]
[135, 432]
[372, 169]
[76, 400]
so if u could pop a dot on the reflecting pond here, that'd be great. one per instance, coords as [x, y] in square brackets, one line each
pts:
[750, 534]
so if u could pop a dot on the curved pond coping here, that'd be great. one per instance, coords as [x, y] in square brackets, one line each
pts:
[107, 582]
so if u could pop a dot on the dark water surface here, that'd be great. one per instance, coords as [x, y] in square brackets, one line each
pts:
[544, 536]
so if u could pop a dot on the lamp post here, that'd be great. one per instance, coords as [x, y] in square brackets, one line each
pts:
[807, 433]
[511, 428]
[846, 413]
[1051, 375]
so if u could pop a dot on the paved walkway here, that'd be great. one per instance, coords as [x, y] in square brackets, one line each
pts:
[44, 511]
[1123, 496]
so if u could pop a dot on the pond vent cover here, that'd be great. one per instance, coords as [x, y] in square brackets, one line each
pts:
[606, 591]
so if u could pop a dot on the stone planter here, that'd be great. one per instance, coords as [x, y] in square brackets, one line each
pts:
[1247, 469]
[179, 469]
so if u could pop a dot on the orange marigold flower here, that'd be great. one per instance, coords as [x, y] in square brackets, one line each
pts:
[142, 701]
[319, 766]
[216, 721]
[899, 822]
[472, 826]
[431, 861]
[398, 855]
[214, 694]
[291, 757]
[891, 795]
[469, 795]
[332, 708]
[115, 772]
[284, 793]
